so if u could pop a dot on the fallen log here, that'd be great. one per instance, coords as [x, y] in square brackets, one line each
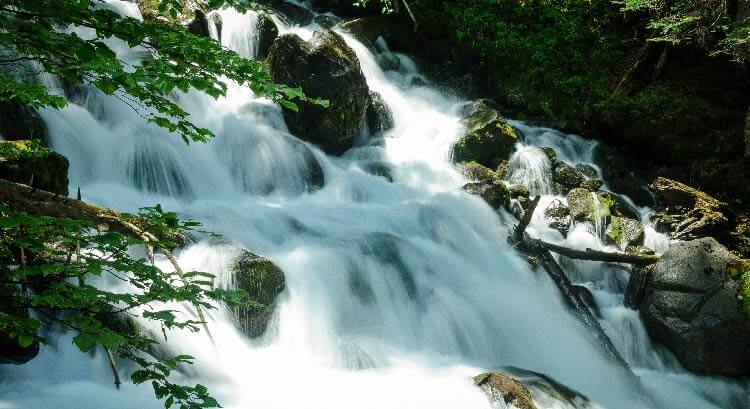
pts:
[595, 255]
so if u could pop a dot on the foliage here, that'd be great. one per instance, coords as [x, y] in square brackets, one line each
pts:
[711, 24]
[19, 150]
[52, 266]
[81, 41]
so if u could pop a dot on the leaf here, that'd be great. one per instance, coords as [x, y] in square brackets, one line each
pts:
[85, 342]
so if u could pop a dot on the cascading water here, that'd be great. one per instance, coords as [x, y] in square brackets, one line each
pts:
[397, 292]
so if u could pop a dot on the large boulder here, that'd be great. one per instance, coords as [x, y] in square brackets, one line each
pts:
[489, 138]
[568, 176]
[263, 281]
[379, 116]
[624, 232]
[20, 162]
[267, 34]
[691, 305]
[20, 122]
[505, 389]
[327, 68]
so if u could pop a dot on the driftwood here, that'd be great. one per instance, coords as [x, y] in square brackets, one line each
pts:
[595, 255]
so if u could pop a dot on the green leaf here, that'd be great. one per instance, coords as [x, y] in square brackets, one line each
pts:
[85, 342]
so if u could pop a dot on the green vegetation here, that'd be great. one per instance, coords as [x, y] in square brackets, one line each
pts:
[51, 266]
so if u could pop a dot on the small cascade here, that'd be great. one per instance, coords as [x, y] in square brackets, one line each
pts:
[529, 166]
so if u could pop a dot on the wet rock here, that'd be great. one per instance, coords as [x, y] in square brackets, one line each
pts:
[624, 232]
[557, 216]
[617, 205]
[691, 306]
[502, 169]
[488, 139]
[503, 388]
[690, 213]
[636, 288]
[477, 172]
[263, 281]
[11, 352]
[547, 392]
[581, 204]
[587, 170]
[324, 21]
[568, 176]
[495, 193]
[379, 116]
[325, 67]
[267, 34]
[617, 172]
[48, 173]
[199, 24]
[293, 14]
[519, 191]
[551, 154]
[592, 184]
[21, 122]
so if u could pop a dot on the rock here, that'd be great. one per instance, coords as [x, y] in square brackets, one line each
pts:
[199, 25]
[21, 122]
[624, 232]
[11, 352]
[500, 387]
[324, 21]
[588, 298]
[267, 34]
[547, 392]
[502, 169]
[394, 30]
[551, 154]
[495, 193]
[617, 172]
[48, 173]
[557, 216]
[378, 168]
[325, 68]
[592, 184]
[379, 116]
[690, 212]
[519, 191]
[477, 172]
[581, 204]
[636, 288]
[691, 306]
[567, 176]
[587, 170]
[617, 205]
[263, 281]
[488, 139]
[293, 14]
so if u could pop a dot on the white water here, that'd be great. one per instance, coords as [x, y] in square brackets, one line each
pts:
[397, 293]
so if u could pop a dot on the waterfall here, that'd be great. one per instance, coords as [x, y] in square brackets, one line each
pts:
[397, 291]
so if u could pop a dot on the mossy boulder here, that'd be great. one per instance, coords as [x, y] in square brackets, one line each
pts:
[327, 68]
[21, 122]
[624, 232]
[557, 216]
[489, 138]
[691, 304]
[267, 34]
[476, 172]
[48, 173]
[551, 154]
[505, 390]
[379, 116]
[495, 193]
[263, 281]
[581, 204]
[592, 184]
[568, 176]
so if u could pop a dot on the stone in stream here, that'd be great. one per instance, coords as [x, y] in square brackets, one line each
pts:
[692, 304]
[379, 116]
[267, 34]
[500, 387]
[581, 204]
[325, 67]
[263, 281]
[489, 137]
[624, 232]
[495, 193]
[568, 176]
[557, 216]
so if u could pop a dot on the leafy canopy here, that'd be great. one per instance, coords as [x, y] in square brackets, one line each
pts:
[73, 40]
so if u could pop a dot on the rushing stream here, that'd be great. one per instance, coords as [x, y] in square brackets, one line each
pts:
[397, 292]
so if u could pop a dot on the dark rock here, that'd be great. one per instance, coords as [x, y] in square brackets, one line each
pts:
[324, 21]
[592, 184]
[293, 14]
[557, 216]
[395, 31]
[267, 34]
[379, 116]
[639, 277]
[691, 306]
[21, 122]
[477, 172]
[624, 232]
[587, 170]
[489, 138]
[503, 388]
[581, 204]
[617, 172]
[617, 205]
[48, 173]
[496, 194]
[199, 25]
[568, 176]
[263, 281]
[325, 68]
[691, 213]
[11, 352]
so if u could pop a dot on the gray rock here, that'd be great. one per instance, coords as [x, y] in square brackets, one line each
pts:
[379, 116]
[505, 389]
[592, 184]
[324, 21]
[495, 193]
[325, 68]
[587, 170]
[581, 204]
[691, 305]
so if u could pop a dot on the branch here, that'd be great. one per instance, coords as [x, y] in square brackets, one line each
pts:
[525, 220]
[595, 255]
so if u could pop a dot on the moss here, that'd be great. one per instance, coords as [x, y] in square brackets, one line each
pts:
[489, 139]
[624, 232]
[498, 385]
